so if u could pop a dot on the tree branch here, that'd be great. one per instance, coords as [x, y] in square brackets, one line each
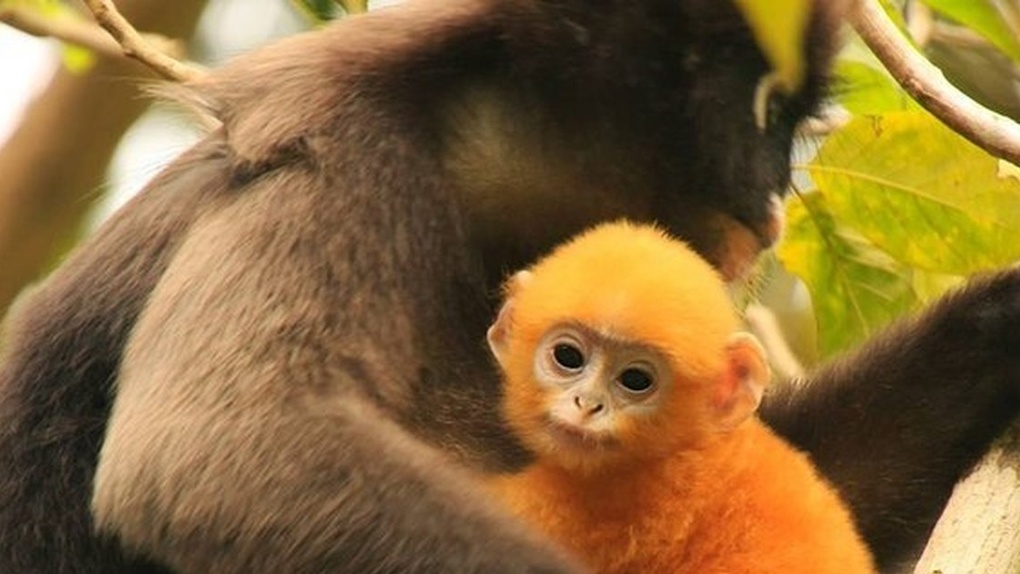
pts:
[152, 50]
[995, 133]
[70, 30]
[135, 46]
[977, 532]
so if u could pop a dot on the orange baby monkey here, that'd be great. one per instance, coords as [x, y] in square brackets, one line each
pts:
[627, 376]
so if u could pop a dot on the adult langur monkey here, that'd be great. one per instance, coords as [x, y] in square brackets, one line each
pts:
[272, 360]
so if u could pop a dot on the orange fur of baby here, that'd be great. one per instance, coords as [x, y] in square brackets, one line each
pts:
[681, 493]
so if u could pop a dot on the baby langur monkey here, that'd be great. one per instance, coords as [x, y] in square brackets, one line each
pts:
[627, 376]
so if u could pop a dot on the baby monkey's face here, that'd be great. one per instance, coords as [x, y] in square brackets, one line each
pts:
[594, 382]
[595, 398]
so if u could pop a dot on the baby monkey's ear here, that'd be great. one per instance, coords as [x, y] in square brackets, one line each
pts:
[747, 374]
[500, 329]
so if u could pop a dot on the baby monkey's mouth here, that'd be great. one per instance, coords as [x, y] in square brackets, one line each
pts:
[577, 437]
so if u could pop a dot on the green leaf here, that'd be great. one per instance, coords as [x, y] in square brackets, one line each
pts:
[317, 11]
[929, 286]
[870, 91]
[982, 17]
[779, 27]
[855, 288]
[921, 193]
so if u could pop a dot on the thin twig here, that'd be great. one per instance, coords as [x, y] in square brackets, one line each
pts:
[995, 133]
[73, 31]
[135, 46]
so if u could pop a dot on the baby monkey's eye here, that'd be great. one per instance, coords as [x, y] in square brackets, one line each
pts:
[636, 380]
[568, 356]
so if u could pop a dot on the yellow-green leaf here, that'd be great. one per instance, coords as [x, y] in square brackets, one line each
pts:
[868, 90]
[779, 27]
[983, 17]
[929, 286]
[354, 6]
[317, 11]
[855, 288]
[921, 193]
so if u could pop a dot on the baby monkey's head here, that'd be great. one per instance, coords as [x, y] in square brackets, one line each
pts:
[623, 345]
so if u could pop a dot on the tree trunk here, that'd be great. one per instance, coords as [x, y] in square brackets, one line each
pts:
[980, 528]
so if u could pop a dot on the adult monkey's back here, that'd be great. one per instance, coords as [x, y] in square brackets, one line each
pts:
[303, 297]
